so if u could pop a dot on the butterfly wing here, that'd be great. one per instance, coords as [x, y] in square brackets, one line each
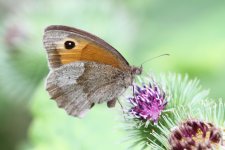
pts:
[90, 72]
[88, 48]
[76, 87]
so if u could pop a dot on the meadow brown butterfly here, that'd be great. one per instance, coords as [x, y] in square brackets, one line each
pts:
[84, 70]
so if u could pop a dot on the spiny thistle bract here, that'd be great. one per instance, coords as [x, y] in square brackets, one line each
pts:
[164, 103]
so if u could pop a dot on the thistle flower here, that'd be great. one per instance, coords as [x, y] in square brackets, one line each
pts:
[148, 103]
[195, 134]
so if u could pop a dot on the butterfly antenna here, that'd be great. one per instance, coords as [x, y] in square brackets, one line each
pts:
[154, 58]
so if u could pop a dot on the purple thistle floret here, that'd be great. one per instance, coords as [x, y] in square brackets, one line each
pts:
[195, 134]
[148, 102]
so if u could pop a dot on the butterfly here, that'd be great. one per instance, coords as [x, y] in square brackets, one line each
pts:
[84, 70]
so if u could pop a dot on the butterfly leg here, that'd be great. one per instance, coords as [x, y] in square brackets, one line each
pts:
[111, 103]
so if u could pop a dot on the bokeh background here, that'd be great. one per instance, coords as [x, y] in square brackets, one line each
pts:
[193, 32]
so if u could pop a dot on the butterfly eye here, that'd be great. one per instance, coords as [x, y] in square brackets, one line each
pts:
[69, 44]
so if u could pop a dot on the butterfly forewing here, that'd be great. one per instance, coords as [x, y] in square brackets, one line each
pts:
[88, 48]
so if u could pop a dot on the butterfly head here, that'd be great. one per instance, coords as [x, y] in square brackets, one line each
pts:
[136, 70]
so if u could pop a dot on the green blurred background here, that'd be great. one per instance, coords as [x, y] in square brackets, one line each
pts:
[192, 31]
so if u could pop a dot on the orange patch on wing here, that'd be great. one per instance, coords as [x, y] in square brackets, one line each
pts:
[88, 52]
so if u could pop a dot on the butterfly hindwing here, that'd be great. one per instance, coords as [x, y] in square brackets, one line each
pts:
[76, 87]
